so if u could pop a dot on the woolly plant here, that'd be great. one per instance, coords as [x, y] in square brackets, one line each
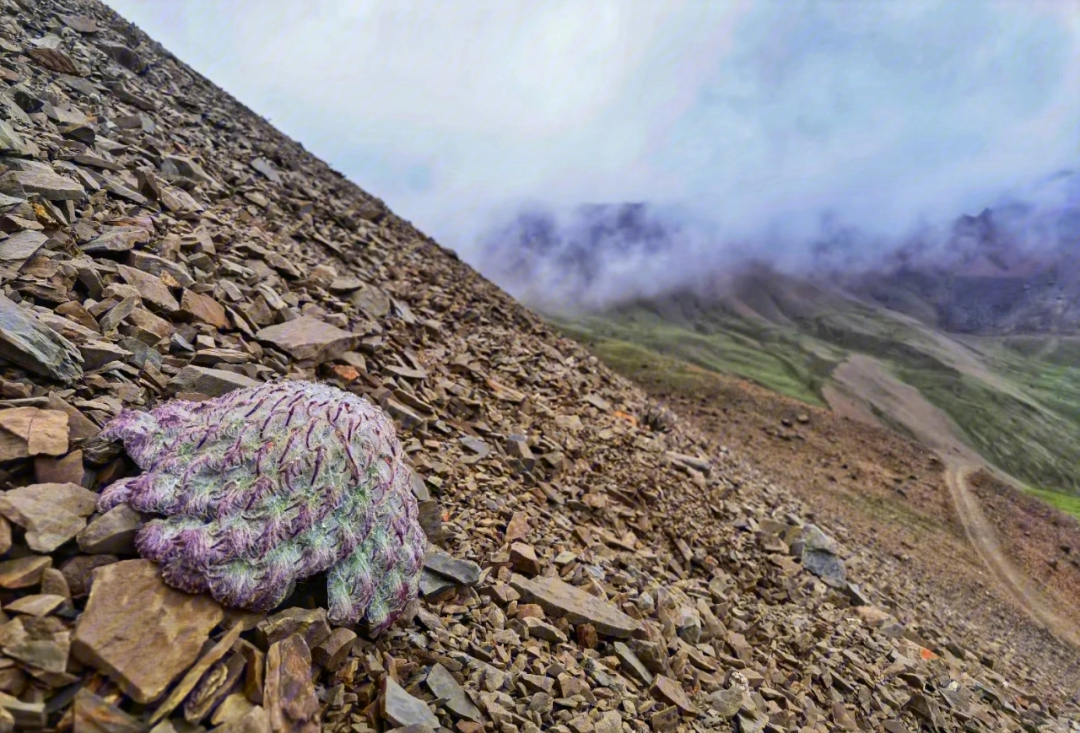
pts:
[265, 486]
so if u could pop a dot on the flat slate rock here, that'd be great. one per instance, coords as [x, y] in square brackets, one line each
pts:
[463, 572]
[562, 599]
[443, 685]
[51, 514]
[208, 381]
[308, 339]
[402, 709]
[26, 342]
[21, 245]
[139, 631]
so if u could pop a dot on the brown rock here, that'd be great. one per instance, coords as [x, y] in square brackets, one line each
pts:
[78, 571]
[151, 288]
[309, 623]
[31, 431]
[255, 720]
[523, 559]
[331, 654]
[130, 611]
[92, 714]
[308, 339]
[671, 692]
[66, 470]
[517, 529]
[51, 514]
[112, 533]
[206, 661]
[562, 599]
[289, 693]
[203, 308]
[23, 572]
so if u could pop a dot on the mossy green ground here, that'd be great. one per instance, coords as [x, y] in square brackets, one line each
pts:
[1022, 414]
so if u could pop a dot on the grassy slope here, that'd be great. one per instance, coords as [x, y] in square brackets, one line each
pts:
[1031, 429]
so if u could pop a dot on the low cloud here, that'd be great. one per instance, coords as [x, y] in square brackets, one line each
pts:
[796, 132]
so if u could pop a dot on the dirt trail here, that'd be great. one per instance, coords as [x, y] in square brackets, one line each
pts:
[864, 383]
[984, 539]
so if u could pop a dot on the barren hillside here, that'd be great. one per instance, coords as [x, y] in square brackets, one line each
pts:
[603, 567]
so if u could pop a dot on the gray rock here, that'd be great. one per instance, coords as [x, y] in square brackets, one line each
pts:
[116, 239]
[21, 245]
[266, 168]
[443, 685]
[401, 708]
[462, 572]
[12, 143]
[35, 347]
[207, 381]
[819, 556]
[44, 181]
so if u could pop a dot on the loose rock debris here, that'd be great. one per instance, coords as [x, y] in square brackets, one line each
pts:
[598, 573]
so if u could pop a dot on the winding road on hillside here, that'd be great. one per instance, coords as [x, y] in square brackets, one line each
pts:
[983, 538]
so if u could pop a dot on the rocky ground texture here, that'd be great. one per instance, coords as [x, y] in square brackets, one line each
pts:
[597, 566]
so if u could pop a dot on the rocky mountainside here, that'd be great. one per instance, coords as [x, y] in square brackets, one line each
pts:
[597, 565]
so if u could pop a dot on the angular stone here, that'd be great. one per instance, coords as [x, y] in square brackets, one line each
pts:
[207, 381]
[671, 692]
[31, 431]
[80, 23]
[21, 245]
[23, 572]
[44, 182]
[266, 168]
[51, 514]
[331, 654]
[35, 347]
[255, 720]
[130, 611]
[463, 572]
[96, 715]
[27, 715]
[523, 559]
[78, 572]
[203, 308]
[402, 709]
[541, 629]
[308, 339]
[819, 556]
[41, 604]
[289, 692]
[193, 675]
[155, 265]
[116, 239]
[112, 533]
[187, 168]
[632, 665]
[151, 288]
[12, 143]
[562, 599]
[443, 685]
[310, 624]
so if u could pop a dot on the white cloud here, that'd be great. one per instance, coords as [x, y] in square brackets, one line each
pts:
[759, 115]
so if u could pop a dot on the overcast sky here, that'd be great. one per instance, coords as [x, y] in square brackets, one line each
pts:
[759, 114]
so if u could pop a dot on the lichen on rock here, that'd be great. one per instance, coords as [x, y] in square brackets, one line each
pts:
[265, 486]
